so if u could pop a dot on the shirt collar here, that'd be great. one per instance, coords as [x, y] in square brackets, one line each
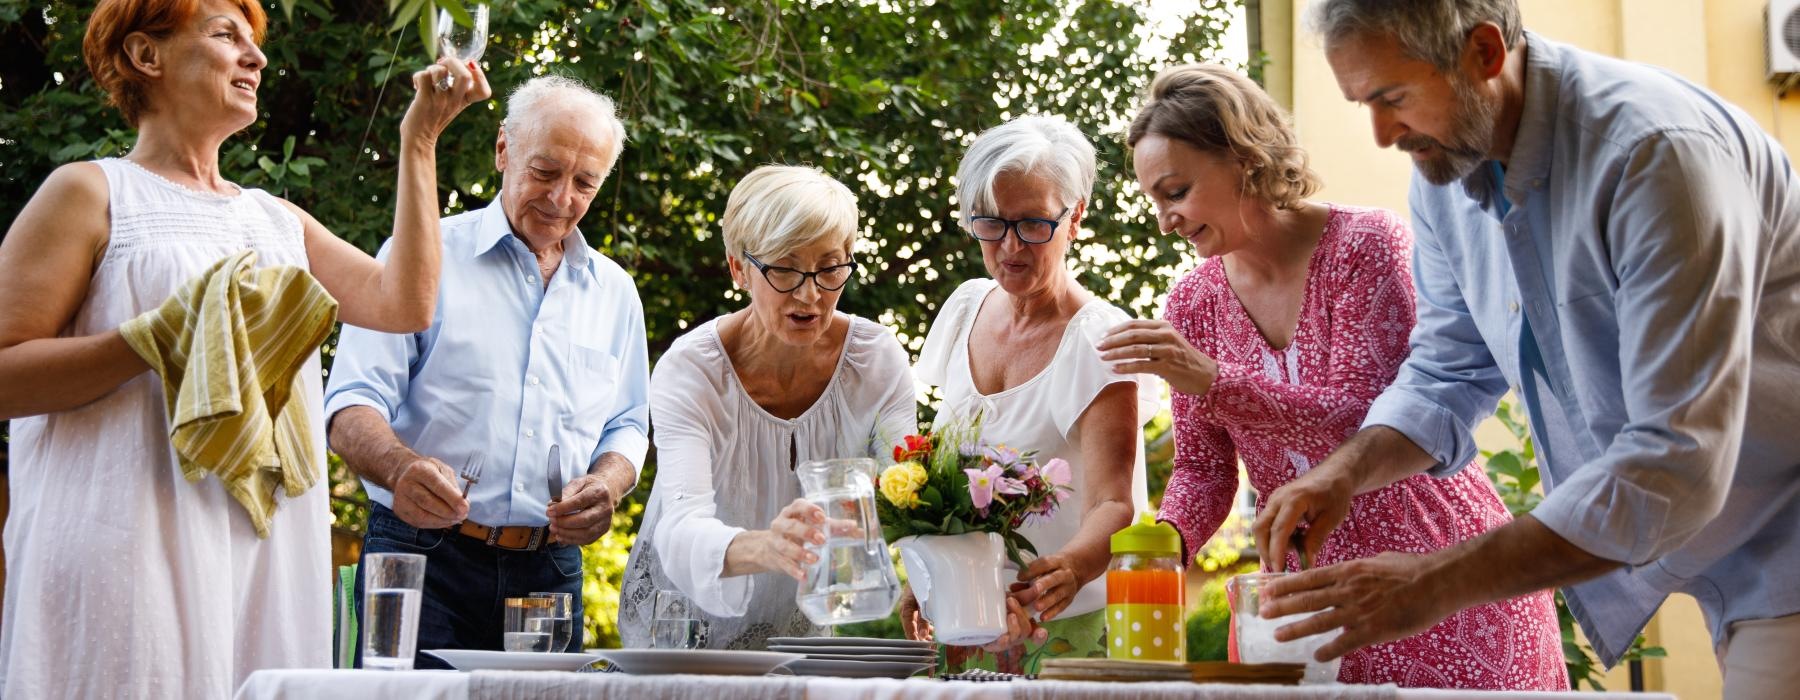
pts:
[1529, 163]
[495, 230]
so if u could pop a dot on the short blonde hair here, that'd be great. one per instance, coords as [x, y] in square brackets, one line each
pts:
[778, 209]
[1218, 110]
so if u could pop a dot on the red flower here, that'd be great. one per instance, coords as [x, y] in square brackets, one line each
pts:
[916, 446]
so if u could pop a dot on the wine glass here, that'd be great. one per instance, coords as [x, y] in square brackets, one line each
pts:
[465, 43]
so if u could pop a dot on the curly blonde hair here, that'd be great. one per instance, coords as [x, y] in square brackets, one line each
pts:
[1217, 110]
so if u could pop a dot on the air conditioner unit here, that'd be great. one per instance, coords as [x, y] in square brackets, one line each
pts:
[1781, 34]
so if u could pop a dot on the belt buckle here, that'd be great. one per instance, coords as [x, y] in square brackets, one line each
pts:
[537, 538]
[493, 536]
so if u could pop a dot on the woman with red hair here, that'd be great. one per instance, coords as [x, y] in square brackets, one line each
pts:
[125, 579]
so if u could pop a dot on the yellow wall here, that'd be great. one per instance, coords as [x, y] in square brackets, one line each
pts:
[1718, 43]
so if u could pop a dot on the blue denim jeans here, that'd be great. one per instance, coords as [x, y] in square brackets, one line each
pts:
[467, 583]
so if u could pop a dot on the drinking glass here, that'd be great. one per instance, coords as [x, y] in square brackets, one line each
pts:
[529, 626]
[562, 621]
[465, 43]
[391, 583]
[1256, 635]
[677, 623]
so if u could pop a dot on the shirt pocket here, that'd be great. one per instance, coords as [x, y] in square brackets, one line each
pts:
[594, 382]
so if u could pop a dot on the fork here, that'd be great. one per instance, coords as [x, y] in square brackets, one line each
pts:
[471, 472]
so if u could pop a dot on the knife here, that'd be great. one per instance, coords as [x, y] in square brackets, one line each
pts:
[556, 477]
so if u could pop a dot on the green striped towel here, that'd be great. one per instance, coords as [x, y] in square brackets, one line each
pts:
[229, 346]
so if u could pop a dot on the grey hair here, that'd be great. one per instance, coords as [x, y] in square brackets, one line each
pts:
[1042, 145]
[1433, 31]
[530, 102]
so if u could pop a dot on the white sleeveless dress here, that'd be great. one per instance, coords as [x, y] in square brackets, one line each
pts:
[122, 578]
[1041, 414]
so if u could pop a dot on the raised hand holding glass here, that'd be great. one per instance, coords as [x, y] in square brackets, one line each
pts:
[464, 42]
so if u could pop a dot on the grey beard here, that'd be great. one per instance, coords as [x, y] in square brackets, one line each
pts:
[1471, 138]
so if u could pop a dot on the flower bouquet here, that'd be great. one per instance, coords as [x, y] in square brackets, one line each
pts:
[954, 504]
[944, 486]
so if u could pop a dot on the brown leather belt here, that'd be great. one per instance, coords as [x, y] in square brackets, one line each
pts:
[518, 538]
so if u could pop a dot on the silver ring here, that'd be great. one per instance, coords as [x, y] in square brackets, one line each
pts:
[444, 82]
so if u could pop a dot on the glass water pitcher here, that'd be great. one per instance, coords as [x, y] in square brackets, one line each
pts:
[854, 578]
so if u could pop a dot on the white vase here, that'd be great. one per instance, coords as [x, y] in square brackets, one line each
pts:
[960, 583]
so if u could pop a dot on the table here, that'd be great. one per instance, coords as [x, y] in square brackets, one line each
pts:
[507, 685]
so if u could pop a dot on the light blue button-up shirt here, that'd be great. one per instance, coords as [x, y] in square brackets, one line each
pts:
[509, 368]
[1641, 295]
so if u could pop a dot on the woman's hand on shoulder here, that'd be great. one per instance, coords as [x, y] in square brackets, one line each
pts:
[1155, 347]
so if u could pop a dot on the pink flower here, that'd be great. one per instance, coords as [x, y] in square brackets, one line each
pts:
[1003, 455]
[1056, 471]
[981, 485]
[1010, 486]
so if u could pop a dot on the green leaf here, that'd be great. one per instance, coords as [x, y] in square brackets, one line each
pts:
[287, 148]
[428, 33]
[457, 11]
[72, 152]
[409, 10]
[300, 168]
[1506, 463]
[268, 166]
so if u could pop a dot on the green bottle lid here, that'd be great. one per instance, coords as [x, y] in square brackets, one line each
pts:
[1147, 537]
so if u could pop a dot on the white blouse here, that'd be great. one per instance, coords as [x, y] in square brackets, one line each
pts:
[725, 465]
[1039, 414]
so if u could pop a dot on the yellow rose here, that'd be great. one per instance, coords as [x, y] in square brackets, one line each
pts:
[900, 484]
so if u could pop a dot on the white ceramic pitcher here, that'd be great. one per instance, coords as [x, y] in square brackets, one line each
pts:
[960, 581]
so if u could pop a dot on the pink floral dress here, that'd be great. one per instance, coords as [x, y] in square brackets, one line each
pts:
[1282, 410]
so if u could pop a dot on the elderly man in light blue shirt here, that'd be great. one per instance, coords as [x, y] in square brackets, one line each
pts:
[534, 374]
[1621, 249]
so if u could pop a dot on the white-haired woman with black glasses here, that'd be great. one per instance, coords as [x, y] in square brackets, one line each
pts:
[1017, 349]
[738, 402]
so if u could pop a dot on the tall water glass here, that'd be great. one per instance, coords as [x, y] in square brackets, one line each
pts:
[562, 622]
[1256, 635]
[677, 623]
[391, 583]
[529, 626]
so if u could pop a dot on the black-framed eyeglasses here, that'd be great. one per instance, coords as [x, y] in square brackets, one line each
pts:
[1031, 230]
[787, 279]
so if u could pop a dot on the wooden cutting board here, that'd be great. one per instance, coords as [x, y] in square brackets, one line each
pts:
[1197, 672]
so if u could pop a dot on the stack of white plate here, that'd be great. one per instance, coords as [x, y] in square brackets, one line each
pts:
[856, 657]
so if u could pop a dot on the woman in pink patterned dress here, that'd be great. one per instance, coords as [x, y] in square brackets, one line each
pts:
[1276, 345]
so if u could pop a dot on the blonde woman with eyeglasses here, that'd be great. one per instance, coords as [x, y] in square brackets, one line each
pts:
[737, 403]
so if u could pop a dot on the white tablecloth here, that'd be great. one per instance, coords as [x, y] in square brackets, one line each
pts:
[504, 685]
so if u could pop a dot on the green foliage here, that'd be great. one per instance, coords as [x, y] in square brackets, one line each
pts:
[1514, 471]
[707, 93]
[604, 563]
[1209, 617]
